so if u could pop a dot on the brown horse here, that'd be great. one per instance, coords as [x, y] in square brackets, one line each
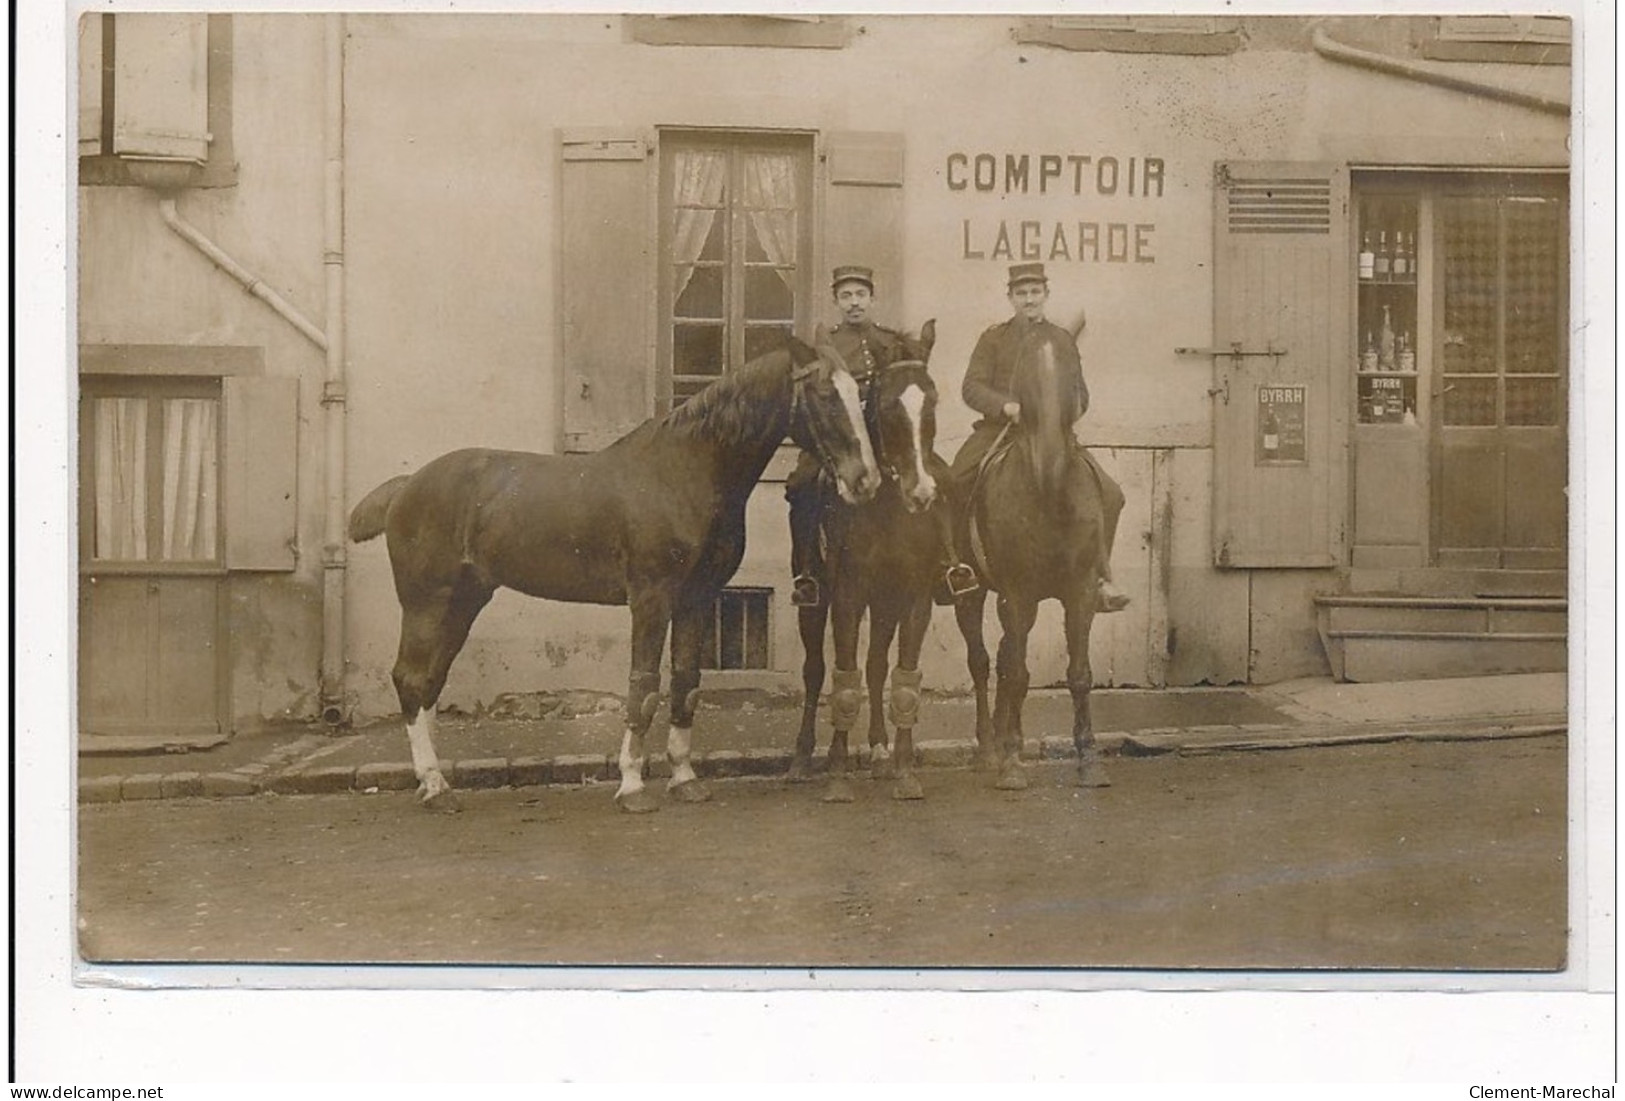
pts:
[883, 558]
[656, 521]
[1036, 519]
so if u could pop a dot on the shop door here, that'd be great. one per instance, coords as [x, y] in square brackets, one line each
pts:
[151, 566]
[1500, 457]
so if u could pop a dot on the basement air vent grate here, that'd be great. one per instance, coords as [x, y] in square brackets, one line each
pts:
[1280, 206]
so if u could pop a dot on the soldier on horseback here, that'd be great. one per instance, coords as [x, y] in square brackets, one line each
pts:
[987, 389]
[867, 348]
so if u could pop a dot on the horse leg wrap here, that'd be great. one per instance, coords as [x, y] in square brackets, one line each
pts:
[642, 701]
[685, 697]
[905, 698]
[845, 698]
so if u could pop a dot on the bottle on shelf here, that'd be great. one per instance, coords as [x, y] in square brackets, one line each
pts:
[1401, 266]
[1380, 262]
[1407, 354]
[1368, 258]
[1368, 354]
[1385, 342]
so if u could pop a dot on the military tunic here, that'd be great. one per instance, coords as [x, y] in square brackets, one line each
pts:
[990, 380]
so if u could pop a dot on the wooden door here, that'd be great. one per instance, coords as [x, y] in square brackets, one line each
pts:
[1500, 461]
[151, 662]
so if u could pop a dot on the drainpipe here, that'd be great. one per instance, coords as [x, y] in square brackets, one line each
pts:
[334, 558]
[251, 282]
[1328, 47]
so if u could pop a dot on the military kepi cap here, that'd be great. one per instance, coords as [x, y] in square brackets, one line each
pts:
[1026, 273]
[852, 273]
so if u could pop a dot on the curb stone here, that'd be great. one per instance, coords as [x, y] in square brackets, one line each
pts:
[577, 769]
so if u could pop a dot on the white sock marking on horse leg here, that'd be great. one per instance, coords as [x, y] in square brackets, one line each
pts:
[678, 743]
[631, 764]
[425, 764]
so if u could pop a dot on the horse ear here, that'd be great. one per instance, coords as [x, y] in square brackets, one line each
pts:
[828, 353]
[928, 337]
[1077, 326]
[802, 354]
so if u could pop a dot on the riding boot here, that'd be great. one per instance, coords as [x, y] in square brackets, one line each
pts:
[1109, 598]
[806, 555]
[958, 575]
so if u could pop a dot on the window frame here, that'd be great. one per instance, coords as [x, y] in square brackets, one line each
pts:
[1194, 36]
[108, 169]
[1511, 39]
[155, 390]
[736, 264]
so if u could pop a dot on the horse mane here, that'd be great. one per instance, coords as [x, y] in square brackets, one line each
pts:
[729, 411]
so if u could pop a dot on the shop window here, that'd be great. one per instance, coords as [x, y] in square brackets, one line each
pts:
[1502, 277]
[759, 29]
[1525, 39]
[154, 96]
[736, 636]
[1188, 35]
[735, 237]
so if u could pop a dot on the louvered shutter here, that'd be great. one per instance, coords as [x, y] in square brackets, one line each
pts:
[863, 215]
[261, 471]
[606, 285]
[1282, 285]
[161, 87]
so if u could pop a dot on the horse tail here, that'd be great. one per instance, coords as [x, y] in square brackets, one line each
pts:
[367, 518]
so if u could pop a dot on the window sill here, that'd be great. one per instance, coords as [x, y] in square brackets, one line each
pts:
[826, 33]
[1191, 43]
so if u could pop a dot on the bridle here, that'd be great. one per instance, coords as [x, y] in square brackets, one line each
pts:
[871, 385]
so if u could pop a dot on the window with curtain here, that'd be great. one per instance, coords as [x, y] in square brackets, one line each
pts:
[152, 473]
[735, 242]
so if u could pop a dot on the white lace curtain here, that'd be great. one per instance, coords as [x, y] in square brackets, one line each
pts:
[191, 474]
[770, 194]
[699, 179]
[120, 425]
[189, 489]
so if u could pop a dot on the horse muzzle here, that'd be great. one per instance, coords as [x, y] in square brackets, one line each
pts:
[920, 496]
[859, 486]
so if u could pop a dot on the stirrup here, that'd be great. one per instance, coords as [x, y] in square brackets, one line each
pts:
[804, 592]
[1110, 598]
[962, 579]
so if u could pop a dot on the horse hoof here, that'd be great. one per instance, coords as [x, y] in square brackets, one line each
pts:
[1012, 779]
[800, 770]
[641, 801]
[692, 792]
[839, 791]
[907, 788]
[881, 767]
[1093, 775]
[444, 801]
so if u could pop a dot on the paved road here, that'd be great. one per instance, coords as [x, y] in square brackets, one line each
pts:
[1434, 855]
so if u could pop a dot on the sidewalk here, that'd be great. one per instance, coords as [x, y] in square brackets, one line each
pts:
[576, 738]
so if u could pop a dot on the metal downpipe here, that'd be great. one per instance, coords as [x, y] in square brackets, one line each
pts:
[334, 704]
[1328, 47]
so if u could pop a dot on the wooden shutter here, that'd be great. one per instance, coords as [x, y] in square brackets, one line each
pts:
[261, 471]
[161, 87]
[90, 84]
[606, 281]
[1281, 295]
[863, 215]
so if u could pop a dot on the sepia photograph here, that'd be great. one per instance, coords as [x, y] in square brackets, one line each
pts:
[953, 499]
